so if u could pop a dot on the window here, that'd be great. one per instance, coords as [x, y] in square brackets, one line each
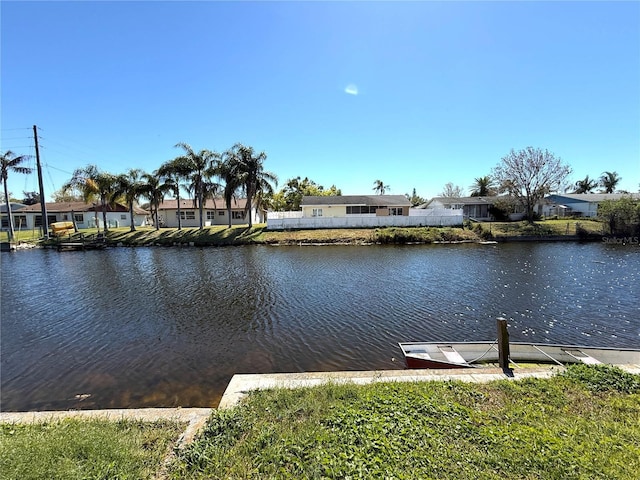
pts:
[19, 221]
[123, 216]
[220, 212]
[5, 222]
[360, 209]
[38, 220]
[78, 217]
[188, 215]
[211, 215]
[395, 211]
[237, 215]
[316, 212]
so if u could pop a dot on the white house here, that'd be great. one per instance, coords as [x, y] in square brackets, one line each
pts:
[360, 211]
[214, 212]
[85, 215]
[579, 204]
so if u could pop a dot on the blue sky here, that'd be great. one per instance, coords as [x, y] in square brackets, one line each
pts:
[416, 94]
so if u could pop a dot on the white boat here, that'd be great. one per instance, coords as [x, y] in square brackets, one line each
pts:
[477, 354]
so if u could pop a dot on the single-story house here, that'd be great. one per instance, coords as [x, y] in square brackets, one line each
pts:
[578, 204]
[355, 205]
[214, 212]
[85, 215]
[476, 208]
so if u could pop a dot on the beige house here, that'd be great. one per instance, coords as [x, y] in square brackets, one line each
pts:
[355, 205]
[214, 212]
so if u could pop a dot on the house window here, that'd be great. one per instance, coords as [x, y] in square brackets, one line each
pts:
[220, 212]
[79, 217]
[123, 216]
[38, 220]
[362, 209]
[188, 215]
[316, 212]
[19, 221]
[395, 211]
[211, 215]
[237, 215]
[5, 222]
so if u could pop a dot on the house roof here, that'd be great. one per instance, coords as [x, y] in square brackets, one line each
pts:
[15, 207]
[77, 207]
[209, 204]
[371, 200]
[464, 200]
[588, 197]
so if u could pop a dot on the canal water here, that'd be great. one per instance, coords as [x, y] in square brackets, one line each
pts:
[143, 327]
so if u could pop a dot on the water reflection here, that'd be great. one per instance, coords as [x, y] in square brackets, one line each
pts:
[167, 326]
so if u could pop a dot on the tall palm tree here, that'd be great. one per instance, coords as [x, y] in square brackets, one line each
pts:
[201, 166]
[92, 183]
[9, 162]
[249, 172]
[609, 181]
[171, 173]
[154, 191]
[379, 187]
[131, 187]
[483, 187]
[585, 185]
[227, 171]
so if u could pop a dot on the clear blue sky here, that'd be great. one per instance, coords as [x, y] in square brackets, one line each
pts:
[416, 94]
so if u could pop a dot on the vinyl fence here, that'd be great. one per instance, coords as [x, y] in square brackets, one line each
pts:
[417, 218]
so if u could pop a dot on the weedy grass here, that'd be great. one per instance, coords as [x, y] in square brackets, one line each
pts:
[579, 425]
[84, 449]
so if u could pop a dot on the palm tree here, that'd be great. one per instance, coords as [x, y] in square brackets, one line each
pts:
[586, 185]
[201, 166]
[609, 181]
[227, 171]
[154, 191]
[130, 187]
[379, 187]
[171, 173]
[483, 187]
[93, 183]
[9, 162]
[247, 168]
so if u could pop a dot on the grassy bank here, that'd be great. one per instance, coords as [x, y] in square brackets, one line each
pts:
[580, 425]
[242, 235]
[84, 449]
[577, 425]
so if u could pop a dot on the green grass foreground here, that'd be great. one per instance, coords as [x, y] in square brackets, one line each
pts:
[85, 449]
[579, 425]
[258, 234]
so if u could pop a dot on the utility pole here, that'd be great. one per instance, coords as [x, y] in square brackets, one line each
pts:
[43, 205]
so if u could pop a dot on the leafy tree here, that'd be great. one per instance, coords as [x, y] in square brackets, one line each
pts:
[414, 198]
[452, 191]
[65, 196]
[622, 216]
[249, 174]
[31, 198]
[130, 187]
[529, 175]
[200, 167]
[609, 181]
[379, 187]
[483, 187]
[10, 163]
[290, 196]
[587, 185]
[92, 183]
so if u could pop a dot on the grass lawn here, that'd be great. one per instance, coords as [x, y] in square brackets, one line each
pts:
[258, 234]
[84, 449]
[581, 425]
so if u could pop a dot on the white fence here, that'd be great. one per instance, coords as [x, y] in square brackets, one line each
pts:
[417, 218]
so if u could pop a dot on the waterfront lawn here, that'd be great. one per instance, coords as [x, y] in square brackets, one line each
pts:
[583, 424]
[85, 449]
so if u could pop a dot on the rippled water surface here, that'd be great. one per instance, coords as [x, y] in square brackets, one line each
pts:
[136, 327]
